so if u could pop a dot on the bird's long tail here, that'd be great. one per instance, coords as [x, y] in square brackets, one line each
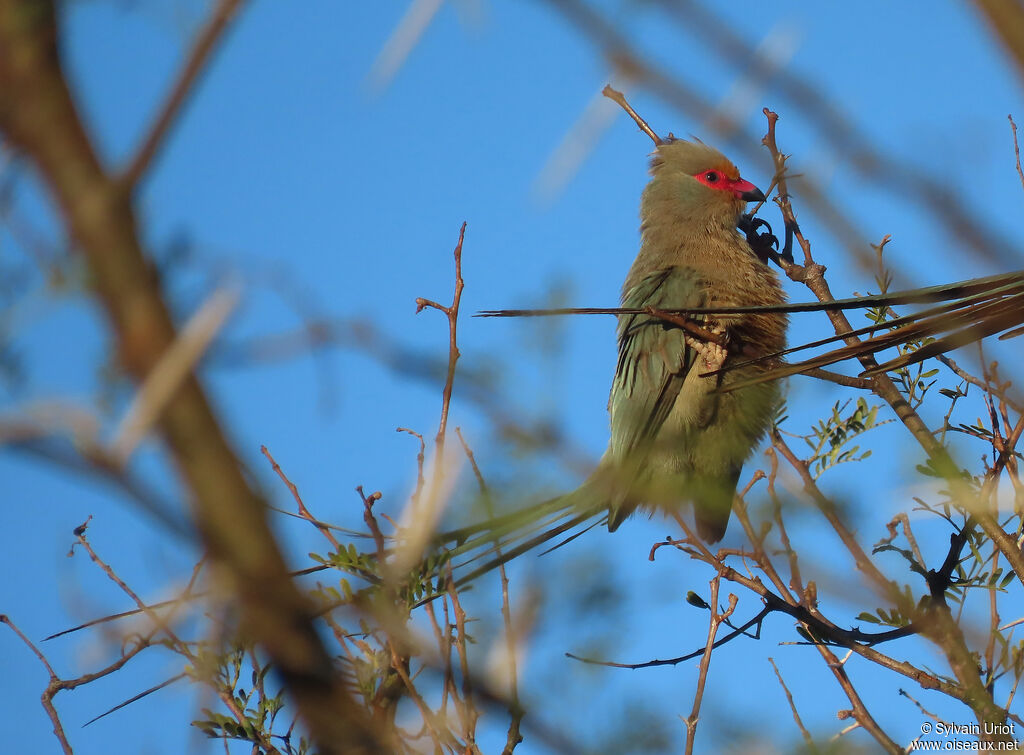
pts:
[479, 548]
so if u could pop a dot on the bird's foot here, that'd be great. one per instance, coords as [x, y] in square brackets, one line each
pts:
[764, 244]
[711, 353]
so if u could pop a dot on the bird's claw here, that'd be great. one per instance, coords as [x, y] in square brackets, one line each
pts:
[714, 356]
[711, 353]
[750, 223]
[765, 245]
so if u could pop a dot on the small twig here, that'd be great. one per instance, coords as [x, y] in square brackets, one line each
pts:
[905, 521]
[741, 630]
[135, 698]
[195, 62]
[851, 639]
[689, 326]
[438, 731]
[757, 539]
[705, 662]
[782, 199]
[865, 384]
[444, 652]
[371, 522]
[795, 579]
[303, 511]
[187, 596]
[994, 620]
[467, 710]
[967, 377]
[620, 98]
[160, 622]
[452, 313]
[51, 689]
[1013, 691]
[920, 707]
[1016, 149]
[859, 713]
[420, 458]
[514, 736]
[855, 640]
[792, 706]
[827, 507]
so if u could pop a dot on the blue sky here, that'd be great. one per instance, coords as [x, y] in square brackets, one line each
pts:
[293, 177]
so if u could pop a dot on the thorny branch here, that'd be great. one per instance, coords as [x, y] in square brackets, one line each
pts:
[940, 627]
[812, 275]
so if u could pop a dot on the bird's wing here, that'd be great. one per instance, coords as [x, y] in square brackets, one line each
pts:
[653, 360]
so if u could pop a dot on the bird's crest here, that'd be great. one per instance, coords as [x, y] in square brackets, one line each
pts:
[691, 157]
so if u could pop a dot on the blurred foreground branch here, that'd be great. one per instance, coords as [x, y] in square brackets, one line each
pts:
[38, 115]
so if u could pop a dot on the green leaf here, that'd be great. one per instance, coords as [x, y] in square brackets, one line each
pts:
[696, 600]
[807, 635]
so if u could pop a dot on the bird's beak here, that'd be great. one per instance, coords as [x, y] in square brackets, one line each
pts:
[747, 191]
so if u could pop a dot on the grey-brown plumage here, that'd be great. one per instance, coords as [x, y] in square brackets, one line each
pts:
[674, 438]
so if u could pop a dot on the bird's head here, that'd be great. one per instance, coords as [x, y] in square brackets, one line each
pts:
[693, 182]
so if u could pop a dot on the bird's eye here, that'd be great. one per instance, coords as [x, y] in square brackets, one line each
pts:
[711, 177]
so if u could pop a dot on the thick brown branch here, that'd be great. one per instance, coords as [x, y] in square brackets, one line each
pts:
[1006, 19]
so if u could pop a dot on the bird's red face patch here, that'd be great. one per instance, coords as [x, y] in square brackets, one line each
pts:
[720, 180]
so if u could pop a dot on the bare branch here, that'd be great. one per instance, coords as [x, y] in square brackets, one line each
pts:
[792, 706]
[714, 623]
[1016, 150]
[452, 313]
[51, 689]
[303, 511]
[195, 62]
[620, 98]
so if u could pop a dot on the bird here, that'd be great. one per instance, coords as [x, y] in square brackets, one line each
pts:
[676, 437]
